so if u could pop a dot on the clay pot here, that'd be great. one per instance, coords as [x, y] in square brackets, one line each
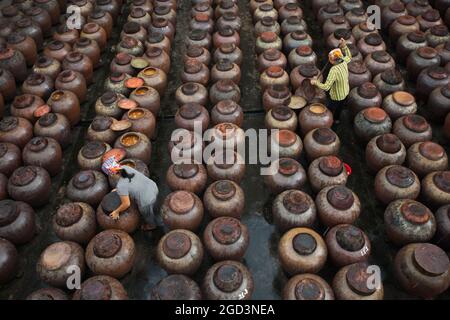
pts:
[142, 120]
[189, 177]
[39, 85]
[90, 155]
[313, 116]
[13, 61]
[356, 16]
[276, 95]
[265, 10]
[163, 26]
[417, 7]
[111, 253]
[435, 188]
[293, 208]
[195, 71]
[66, 103]
[154, 78]
[292, 24]
[224, 198]
[420, 59]
[371, 122]
[225, 70]
[337, 205]
[321, 142]
[422, 269]
[9, 262]
[384, 150]
[190, 115]
[18, 222]
[301, 56]
[358, 74]
[3, 186]
[25, 105]
[411, 129]
[442, 229]
[77, 61]
[267, 24]
[197, 53]
[225, 6]
[147, 97]
[255, 4]
[56, 258]
[438, 103]
[186, 146]
[303, 72]
[402, 25]
[72, 81]
[409, 43]
[429, 79]
[429, 19]
[302, 250]
[136, 144]
[108, 105]
[288, 144]
[51, 6]
[226, 238]
[93, 31]
[307, 287]
[226, 165]
[224, 90]
[437, 35]
[229, 19]
[131, 46]
[27, 27]
[192, 93]
[45, 153]
[11, 158]
[128, 220]
[398, 104]
[273, 75]
[426, 157]
[389, 81]
[199, 38]
[100, 130]
[140, 16]
[75, 221]
[228, 280]
[364, 97]
[333, 39]
[30, 184]
[101, 288]
[15, 130]
[378, 62]
[326, 171]
[408, 221]
[88, 48]
[182, 210]
[271, 57]
[47, 66]
[48, 294]
[175, 287]
[227, 111]
[391, 12]
[53, 125]
[281, 117]
[296, 39]
[41, 17]
[24, 44]
[396, 182]
[87, 186]
[166, 11]
[334, 23]
[180, 252]
[286, 173]
[201, 21]
[268, 40]
[7, 84]
[158, 58]
[57, 49]
[351, 283]
[347, 244]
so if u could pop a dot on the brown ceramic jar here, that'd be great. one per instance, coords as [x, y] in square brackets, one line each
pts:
[195, 71]
[281, 117]
[197, 53]
[47, 66]
[286, 173]
[292, 209]
[227, 111]
[225, 70]
[142, 120]
[163, 26]
[147, 97]
[189, 177]
[182, 210]
[443, 223]
[411, 129]
[302, 73]
[268, 40]
[437, 35]
[409, 43]
[10, 158]
[39, 85]
[429, 79]
[16, 130]
[87, 186]
[363, 97]
[25, 105]
[276, 95]
[301, 56]
[389, 81]
[157, 58]
[136, 144]
[273, 75]
[93, 31]
[391, 12]
[321, 142]
[420, 59]
[384, 150]
[192, 114]
[103, 19]
[24, 44]
[402, 25]
[18, 223]
[396, 182]
[41, 17]
[100, 129]
[296, 39]
[398, 104]
[53, 125]
[90, 155]
[72, 81]
[7, 85]
[337, 205]
[101, 288]
[287, 142]
[378, 62]
[435, 190]
[154, 78]
[307, 286]
[13, 61]
[192, 92]
[315, 115]
[66, 35]
[326, 171]
[43, 152]
[224, 198]
[224, 90]
[358, 74]
[267, 24]
[66, 103]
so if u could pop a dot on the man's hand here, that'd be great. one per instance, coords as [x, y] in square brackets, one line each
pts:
[115, 215]
[342, 43]
[313, 81]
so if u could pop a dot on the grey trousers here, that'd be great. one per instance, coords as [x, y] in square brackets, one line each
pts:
[148, 214]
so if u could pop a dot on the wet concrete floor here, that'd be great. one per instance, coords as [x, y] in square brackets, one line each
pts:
[261, 257]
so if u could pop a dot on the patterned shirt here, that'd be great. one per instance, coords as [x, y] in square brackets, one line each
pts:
[337, 80]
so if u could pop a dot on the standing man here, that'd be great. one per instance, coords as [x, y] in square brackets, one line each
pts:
[337, 80]
[133, 184]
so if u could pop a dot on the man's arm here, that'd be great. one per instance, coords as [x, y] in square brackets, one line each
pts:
[124, 205]
[346, 51]
[330, 80]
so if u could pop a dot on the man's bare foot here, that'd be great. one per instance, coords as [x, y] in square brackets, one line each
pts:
[148, 227]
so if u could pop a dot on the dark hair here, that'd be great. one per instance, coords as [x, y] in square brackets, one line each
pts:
[125, 174]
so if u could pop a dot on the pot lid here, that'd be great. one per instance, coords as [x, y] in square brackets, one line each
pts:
[299, 35]
[37, 144]
[373, 39]
[308, 70]
[275, 71]
[228, 277]
[437, 73]
[181, 202]
[74, 57]
[227, 106]
[271, 54]
[431, 259]
[389, 143]
[107, 244]
[381, 56]
[185, 171]
[324, 136]
[397, 7]
[123, 125]
[304, 51]
[101, 123]
[126, 104]
[95, 289]
[56, 256]
[282, 113]
[357, 67]
[83, 179]
[8, 212]
[431, 15]
[288, 166]
[331, 166]
[44, 61]
[190, 88]
[442, 180]
[194, 51]
[110, 202]
[406, 20]
[403, 98]
[68, 214]
[93, 149]
[268, 36]
[374, 115]
[190, 111]
[267, 21]
[225, 85]
[368, 90]
[279, 91]
[192, 66]
[340, 197]
[357, 278]
[176, 245]
[67, 76]
[391, 76]
[23, 101]
[8, 124]
[161, 9]
[226, 230]
[266, 7]
[350, 237]
[416, 36]
[427, 52]
[309, 289]
[415, 212]
[47, 119]
[304, 244]
[223, 190]
[108, 98]
[285, 138]
[431, 150]
[296, 201]
[23, 176]
[197, 34]
[400, 176]
[439, 30]
[342, 33]
[415, 123]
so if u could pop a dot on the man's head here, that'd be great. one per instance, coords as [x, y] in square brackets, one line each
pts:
[335, 56]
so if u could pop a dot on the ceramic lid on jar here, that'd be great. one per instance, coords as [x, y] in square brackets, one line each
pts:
[403, 98]
[415, 212]
[126, 104]
[308, 70]
[95, 289]
[442, 180]
[299, 35]
[181, 202]
[118, 153]
[296, 201]
[416, 36]
[8, 212]
[176, 245]
[107, 244]
[275, 71]
[225, 85]
[288, 166]
[439, 30]
[122, 125]
[8, 123]
[431, 259]
[415, 123]
[350, 237]
[93, 149]
[190, 88]
[84, 179]
[228, 277]
[281, 113]
[357, 67]
[56, 256]
[357, 279]
[226, 230]
[223, 190]
[37, 144]
[374, 115]
[285, 138]
[399, 176]
[23, 176]
[381, 56]
[406, 20]
[68, 214]
[185, 171]
[389, 143]
[227, 106]
[324, 136]
[427, 52]
[272, 54]
[391, 76]
[432, 151]
[190, 111]
[340, 197]
[309, 289]
[226, 31]
[437, 73]
[368, 90]
[134, 82]
[304, 243]
[304, 51]
[192, 66]
[101, 123]
[331, 165]
[373, 39]
[268, 36]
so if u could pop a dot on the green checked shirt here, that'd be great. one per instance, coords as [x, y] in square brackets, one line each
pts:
[337, 80]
